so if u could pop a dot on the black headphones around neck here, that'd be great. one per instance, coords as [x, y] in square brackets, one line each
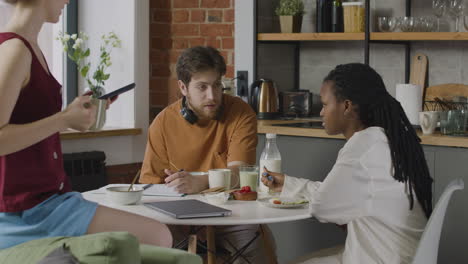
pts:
[191, 117]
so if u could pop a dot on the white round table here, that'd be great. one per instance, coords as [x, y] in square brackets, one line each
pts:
[243, 213]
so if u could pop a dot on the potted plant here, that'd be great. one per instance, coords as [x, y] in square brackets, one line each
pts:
[75, 47]
[290, 13]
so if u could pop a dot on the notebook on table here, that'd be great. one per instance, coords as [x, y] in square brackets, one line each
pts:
[149, 189]
[190, 208]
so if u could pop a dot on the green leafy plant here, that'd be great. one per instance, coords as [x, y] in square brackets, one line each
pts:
[77, 50]
[290, 8]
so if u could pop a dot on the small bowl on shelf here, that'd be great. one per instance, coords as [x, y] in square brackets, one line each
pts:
[387, 24]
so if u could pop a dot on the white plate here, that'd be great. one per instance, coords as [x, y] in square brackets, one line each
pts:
[288, 202]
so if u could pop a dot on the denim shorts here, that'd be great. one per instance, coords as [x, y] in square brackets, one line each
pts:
[67, 214]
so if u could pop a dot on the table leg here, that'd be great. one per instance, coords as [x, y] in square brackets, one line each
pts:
[210, 238]
[192, 244]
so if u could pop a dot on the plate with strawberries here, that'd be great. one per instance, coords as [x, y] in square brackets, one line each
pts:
[245, 194]
[284, 202]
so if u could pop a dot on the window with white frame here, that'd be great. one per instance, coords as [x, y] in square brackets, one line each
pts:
[130, 21]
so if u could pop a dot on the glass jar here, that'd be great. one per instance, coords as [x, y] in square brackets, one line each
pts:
[354, 17]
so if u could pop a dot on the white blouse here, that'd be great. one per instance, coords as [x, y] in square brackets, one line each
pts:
[360, 191]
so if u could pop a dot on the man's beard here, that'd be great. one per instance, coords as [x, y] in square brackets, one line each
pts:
[201, 114]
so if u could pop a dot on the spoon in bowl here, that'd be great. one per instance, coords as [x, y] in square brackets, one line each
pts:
[134, 180]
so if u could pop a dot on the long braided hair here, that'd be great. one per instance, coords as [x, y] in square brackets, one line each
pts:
[364, 87]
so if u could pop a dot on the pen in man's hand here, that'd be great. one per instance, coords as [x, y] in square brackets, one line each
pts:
[147, 186]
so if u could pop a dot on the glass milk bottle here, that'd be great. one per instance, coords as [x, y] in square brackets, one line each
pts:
[270, 158]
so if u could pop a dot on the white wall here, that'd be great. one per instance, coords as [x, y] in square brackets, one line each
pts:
[129, 19]
[5, 12]
[96, 18]
[244, 39]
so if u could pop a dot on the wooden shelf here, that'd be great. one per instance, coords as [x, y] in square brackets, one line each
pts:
[105, 132]
[309, 36]
[415, 36]
[391, 36]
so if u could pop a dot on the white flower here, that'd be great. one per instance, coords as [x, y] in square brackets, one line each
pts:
[78, 43]
[66, 37]
[74, 36]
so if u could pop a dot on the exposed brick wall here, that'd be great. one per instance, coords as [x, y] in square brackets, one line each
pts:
[180, 24]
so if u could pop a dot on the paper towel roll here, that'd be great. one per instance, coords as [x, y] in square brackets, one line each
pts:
[410, 97]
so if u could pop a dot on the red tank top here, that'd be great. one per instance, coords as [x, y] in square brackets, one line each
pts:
[31, 175]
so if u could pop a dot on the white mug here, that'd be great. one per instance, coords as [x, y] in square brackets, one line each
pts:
[219, 178]
[428, 121]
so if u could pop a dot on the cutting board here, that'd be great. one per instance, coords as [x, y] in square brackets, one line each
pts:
[446, 91]
[419, 70]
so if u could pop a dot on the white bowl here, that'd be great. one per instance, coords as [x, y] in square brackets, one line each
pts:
[121, 195]
[216, 198]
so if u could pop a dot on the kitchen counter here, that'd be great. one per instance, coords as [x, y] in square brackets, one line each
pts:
[266, 126]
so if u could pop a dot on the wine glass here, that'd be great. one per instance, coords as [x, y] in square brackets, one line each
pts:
[455, 10]
[439, 10]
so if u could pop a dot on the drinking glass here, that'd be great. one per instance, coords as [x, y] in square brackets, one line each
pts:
[438, 6]
[249, 176]
[453, 123]
[408, 24]
[465, 20]
[455, 10]
[387, 24]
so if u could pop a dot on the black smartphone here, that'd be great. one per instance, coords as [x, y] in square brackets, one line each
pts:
[117, 92]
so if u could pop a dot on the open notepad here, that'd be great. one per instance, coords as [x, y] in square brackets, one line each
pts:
[150, 189]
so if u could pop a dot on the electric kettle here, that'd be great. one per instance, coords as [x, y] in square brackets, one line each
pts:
[264, 99]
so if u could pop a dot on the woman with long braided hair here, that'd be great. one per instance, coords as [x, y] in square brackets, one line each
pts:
[380, 185]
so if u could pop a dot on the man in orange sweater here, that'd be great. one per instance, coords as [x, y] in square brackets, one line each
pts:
[204, 130]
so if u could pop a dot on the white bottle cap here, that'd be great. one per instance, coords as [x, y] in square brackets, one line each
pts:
[268, 135]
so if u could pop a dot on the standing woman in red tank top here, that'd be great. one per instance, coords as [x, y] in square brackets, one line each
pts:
[36, 200]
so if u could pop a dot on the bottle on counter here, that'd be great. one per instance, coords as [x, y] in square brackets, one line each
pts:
[323, 16]
[270, 158]
[337, 24]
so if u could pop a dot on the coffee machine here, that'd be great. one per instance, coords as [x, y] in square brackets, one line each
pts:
[264, 99]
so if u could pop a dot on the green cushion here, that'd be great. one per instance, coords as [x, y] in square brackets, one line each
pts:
[115, 247]
[151, 255]
[109, 248]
